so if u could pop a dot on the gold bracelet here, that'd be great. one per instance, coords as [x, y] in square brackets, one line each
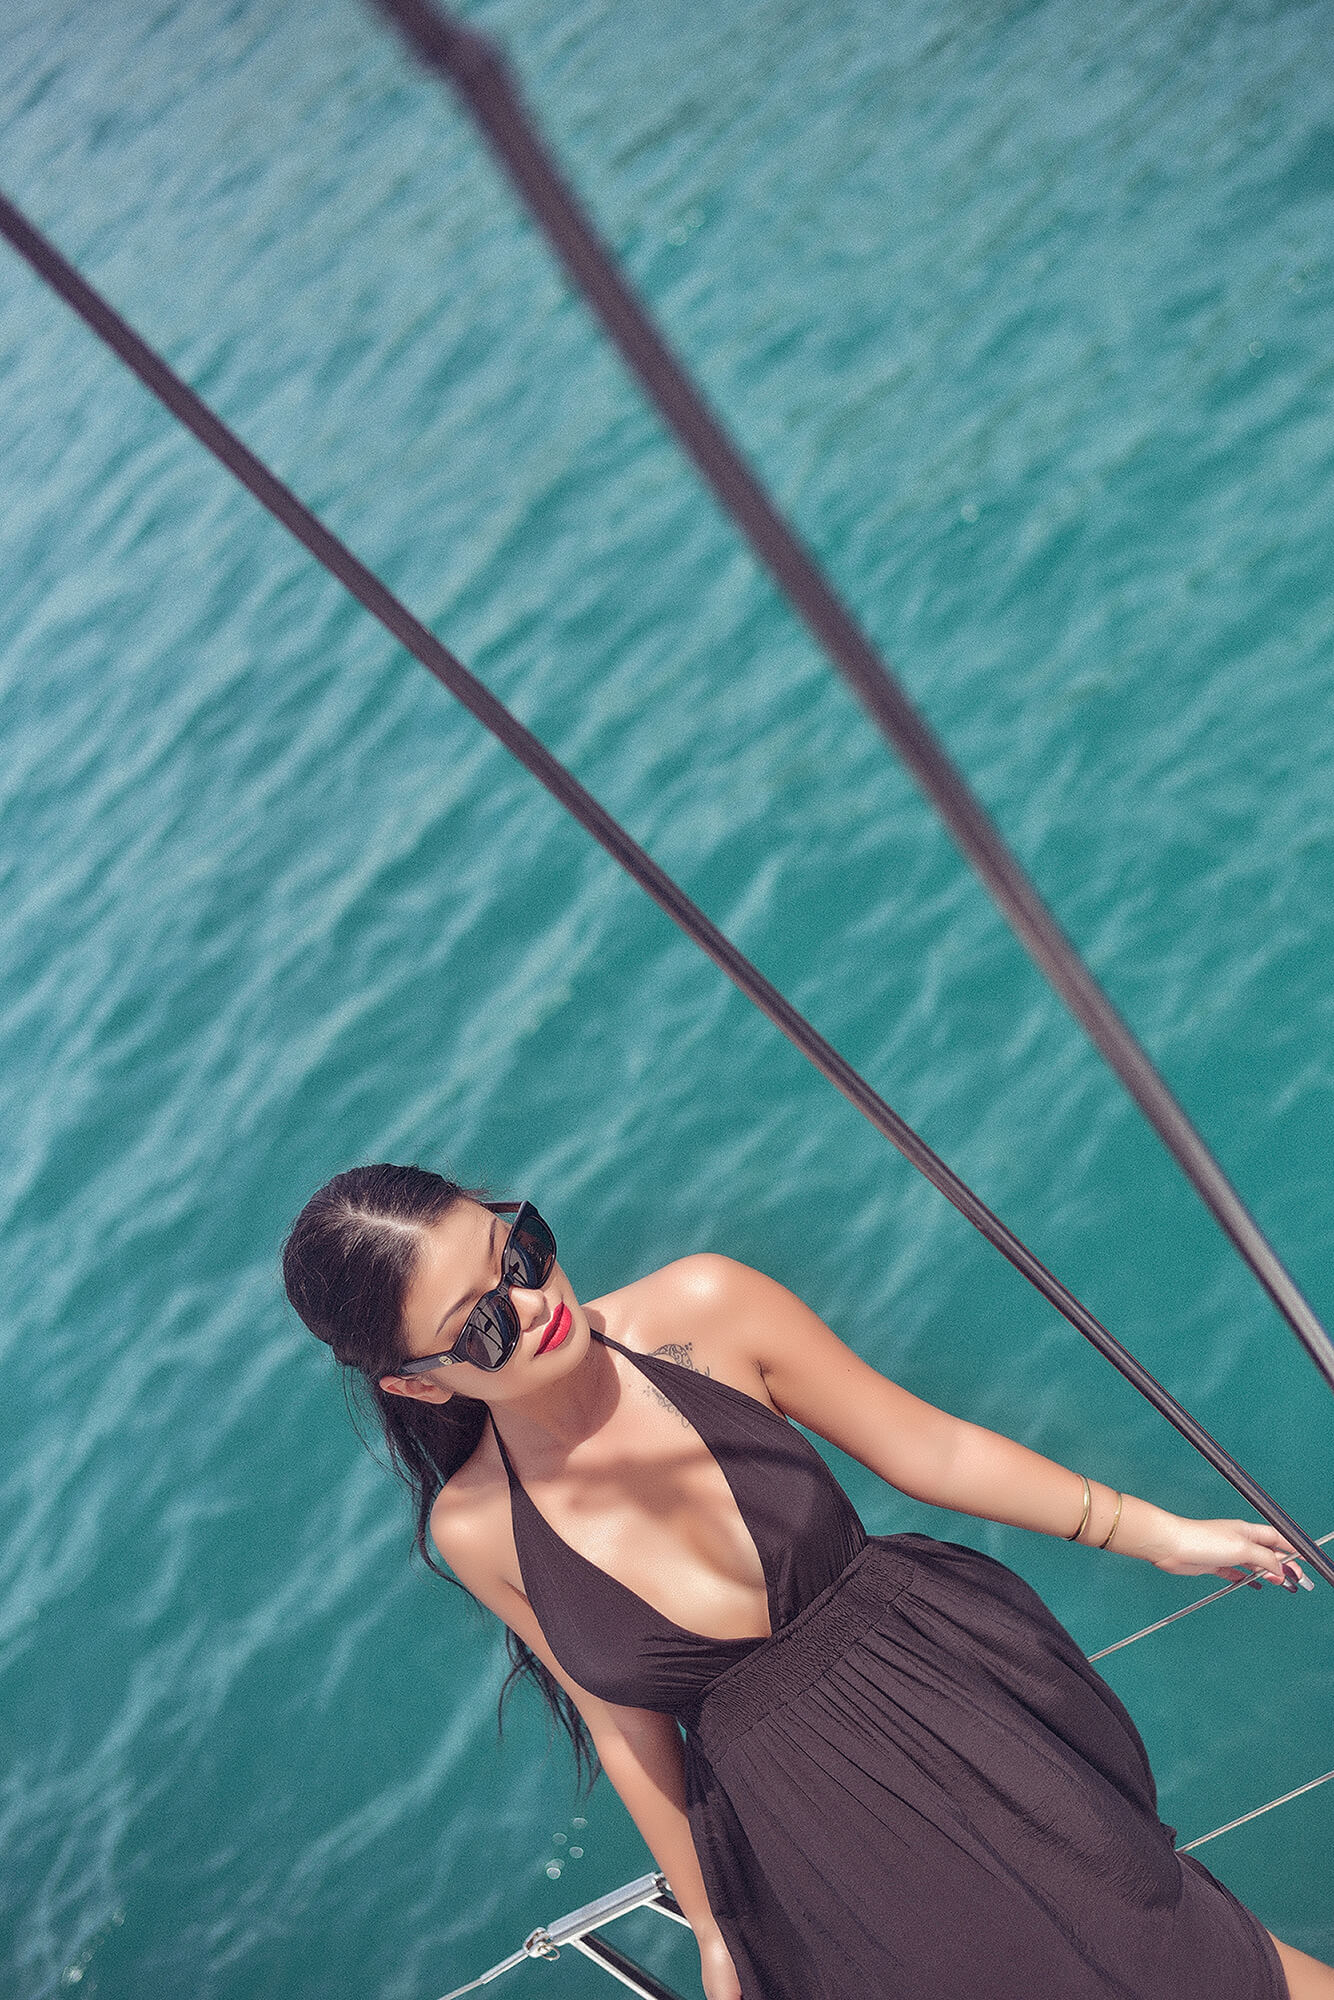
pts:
[1106, 1543]
[1083, 1519]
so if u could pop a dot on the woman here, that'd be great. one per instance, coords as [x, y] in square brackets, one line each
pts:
[899, 1775]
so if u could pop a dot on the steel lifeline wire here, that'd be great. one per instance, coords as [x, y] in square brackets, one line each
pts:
[473, 65]
[190, 410]
[1158, 1625]
[1186, 1611]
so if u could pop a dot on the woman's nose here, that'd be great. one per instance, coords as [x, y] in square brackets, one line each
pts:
[529, 1304]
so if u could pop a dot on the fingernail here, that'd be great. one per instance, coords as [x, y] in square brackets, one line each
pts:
[1254, 1583]
[1288, 1584]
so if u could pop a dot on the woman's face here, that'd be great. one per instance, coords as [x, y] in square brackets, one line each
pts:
[458, 1259]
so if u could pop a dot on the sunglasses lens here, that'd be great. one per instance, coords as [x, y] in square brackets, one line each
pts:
[491, 1334]
[531, 1250]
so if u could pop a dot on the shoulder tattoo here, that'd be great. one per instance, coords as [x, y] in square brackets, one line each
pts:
[682, 1352]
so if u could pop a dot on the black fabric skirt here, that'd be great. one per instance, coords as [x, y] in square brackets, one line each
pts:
[920, 1788]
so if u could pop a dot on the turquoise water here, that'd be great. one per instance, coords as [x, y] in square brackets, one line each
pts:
[1026, 313]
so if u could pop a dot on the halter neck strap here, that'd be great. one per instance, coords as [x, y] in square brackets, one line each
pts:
[606, 1341]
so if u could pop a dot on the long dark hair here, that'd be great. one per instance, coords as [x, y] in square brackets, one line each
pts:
[347, 1265]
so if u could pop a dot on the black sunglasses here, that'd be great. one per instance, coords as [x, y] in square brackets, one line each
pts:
[491, 1331]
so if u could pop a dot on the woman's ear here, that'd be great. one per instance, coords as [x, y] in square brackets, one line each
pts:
[419, 1388]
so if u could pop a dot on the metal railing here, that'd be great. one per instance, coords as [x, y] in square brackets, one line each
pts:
[577, 1930]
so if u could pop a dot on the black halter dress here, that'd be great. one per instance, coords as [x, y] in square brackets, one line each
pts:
[917, 1788]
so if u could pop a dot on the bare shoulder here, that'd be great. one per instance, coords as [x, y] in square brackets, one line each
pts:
[764, 1335]
[705, 1286]
[702, 1312]
[762, 1338]
[472, 1529]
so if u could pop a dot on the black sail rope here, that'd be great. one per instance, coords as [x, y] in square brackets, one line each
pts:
[158, 376]
[475, 68]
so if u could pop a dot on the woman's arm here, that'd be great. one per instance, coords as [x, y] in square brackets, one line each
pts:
[641, 1754]
[640, 1750]
[812, 1376]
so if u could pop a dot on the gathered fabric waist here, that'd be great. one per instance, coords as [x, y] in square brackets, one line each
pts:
[781, 1667]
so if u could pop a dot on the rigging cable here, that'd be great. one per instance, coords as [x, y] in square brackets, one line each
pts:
[190, 410]
[475, 68]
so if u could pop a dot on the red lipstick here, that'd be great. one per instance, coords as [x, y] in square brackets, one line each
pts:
[560, 1324]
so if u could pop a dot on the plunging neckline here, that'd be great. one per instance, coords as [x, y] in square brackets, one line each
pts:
[624, 1589]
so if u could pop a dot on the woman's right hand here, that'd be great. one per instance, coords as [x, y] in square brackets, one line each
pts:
[717, 1970]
